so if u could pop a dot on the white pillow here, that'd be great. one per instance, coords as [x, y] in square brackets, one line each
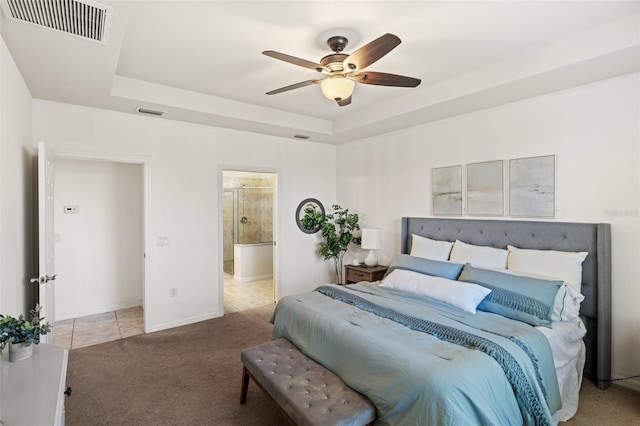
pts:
[566, 306]
[480, 255]
[430, 249]
[564, 265]
[460, 294]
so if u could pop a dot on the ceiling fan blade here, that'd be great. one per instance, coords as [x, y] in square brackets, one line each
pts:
[294, 86]
[385, 79]
[293, 60]
[369, 53]
[344, 102]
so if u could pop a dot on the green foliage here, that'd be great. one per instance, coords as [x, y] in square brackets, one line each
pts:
[313, 218]
[338, 229]
[19, 330]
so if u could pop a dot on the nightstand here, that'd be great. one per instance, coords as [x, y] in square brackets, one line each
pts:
[364, 273]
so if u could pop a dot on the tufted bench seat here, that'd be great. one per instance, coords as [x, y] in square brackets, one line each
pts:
[307, 393]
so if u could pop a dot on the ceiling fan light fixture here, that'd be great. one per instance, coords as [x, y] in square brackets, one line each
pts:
[337, 88]
[341, 71]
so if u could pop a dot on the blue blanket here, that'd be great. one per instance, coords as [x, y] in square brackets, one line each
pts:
[421, 361]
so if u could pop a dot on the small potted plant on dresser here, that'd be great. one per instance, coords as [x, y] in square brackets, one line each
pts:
[21, 334]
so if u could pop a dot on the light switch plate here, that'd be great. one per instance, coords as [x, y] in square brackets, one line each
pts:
[71, 209]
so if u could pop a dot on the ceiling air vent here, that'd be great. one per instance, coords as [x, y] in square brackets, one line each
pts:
[150, 111]
[82, 18]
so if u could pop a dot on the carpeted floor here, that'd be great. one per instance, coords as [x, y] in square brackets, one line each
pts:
[184, 376]
[614, 406]
[191, 376]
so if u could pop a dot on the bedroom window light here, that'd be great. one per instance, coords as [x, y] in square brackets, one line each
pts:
[372, 241]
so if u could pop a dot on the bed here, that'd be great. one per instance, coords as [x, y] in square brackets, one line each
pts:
[424, 361]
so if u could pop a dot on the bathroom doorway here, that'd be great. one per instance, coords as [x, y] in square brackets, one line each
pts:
[248, 212]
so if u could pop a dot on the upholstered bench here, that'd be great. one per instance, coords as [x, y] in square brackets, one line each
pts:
[307, 393]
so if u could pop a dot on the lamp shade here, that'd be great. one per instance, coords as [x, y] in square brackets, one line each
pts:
[337, 88]
[371, 239]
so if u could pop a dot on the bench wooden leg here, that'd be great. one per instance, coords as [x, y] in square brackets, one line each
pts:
[245, 385]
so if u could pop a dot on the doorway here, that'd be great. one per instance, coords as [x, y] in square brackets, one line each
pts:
[248, 212]
[99, 221]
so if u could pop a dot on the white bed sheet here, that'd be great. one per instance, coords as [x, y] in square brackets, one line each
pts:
[569, 354]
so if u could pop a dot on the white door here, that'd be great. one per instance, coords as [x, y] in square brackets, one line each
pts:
[46, 256]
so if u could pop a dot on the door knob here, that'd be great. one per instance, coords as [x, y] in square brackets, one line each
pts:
[43, 280]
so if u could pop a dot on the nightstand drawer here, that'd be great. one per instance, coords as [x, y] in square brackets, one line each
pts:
[362, 273]
[356, 275]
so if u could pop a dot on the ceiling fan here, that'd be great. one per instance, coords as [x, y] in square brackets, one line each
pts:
[342, 71]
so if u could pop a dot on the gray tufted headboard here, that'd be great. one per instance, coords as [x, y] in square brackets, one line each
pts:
[594, 238]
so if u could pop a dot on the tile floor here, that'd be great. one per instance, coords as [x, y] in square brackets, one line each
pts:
[241, 296]
[93, 329]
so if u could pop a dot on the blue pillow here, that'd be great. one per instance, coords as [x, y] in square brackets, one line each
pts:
[435, 268]
[522, 298]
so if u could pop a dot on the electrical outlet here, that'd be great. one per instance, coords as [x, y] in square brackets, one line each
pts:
[173, 291]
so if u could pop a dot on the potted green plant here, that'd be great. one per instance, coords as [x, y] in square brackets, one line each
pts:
[338, 229]
[20, 334]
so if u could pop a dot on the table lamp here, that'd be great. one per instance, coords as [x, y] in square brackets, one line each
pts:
[371, 241]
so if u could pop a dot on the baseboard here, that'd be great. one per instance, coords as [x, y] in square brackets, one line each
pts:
[99, 309]
[184, 321]
[254, 278]
[630, 383]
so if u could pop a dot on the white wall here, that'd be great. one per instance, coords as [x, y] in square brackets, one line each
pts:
[16, 189]
[185, 162]
[99, 249]
[594, 132]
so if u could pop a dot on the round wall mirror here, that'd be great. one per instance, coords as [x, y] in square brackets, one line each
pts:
[310, 215]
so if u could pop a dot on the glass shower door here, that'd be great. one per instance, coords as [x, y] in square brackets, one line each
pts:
[228, 213]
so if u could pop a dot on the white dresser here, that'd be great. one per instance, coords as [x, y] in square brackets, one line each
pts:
[32, 391]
